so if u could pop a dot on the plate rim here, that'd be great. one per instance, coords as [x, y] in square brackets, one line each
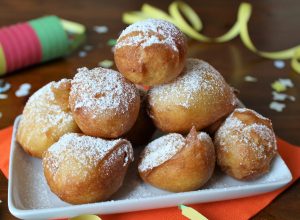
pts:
[28, 213]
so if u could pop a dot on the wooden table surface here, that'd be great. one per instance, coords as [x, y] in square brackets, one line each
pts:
[274, 25]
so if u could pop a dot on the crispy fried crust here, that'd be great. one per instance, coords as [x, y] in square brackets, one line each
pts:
[245, 148]
[188, 170]
[113, 120]
[46, 117]
[76, 183]
[154, 64]
[198, 97]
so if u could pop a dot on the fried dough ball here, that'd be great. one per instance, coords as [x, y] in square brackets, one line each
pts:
[245, 144]
[151, 52]
[198, 97]
[46, 117]
[82, 169]
[103, 102]
[178, 164]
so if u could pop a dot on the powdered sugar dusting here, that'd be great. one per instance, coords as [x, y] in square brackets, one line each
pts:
[43, 108]
[88, 151]
[203, 136]
[198, 76]
[239, 132]
[149, 32]
[265, 133]
[99, 90]
[161, 150]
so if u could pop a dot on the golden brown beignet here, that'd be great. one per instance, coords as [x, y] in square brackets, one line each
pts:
[178, 164]
[46, 117]
[198, 97]
[104, 104]
[82, 169]
[151, 52]
[245, 144]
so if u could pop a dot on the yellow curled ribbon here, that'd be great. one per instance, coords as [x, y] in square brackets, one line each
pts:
[86, 217]
[191, 213]
[191, 25]
[76, 30]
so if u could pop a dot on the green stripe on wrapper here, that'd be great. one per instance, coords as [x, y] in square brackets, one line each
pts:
[52, 36]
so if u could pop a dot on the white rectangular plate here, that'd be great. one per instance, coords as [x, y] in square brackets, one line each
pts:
[29, 196]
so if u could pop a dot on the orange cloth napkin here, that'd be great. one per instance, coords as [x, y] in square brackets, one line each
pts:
[231, 209]
[5, 140]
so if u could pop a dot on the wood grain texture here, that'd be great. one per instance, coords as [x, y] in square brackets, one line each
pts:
[274, 25]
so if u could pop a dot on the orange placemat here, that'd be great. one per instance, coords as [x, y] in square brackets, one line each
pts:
[231, 209]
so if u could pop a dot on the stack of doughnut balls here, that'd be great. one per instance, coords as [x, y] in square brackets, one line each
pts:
[84, 128]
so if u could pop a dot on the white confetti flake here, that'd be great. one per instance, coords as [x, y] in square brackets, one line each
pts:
[286, 82]
[106, 63]
[101, 29]
[21, 93]
[292, 98]
[88, 47]
[279, 64]
[23, 90]
[25, 86]
[82, 54]
[4, 86]
[3, 96]
[282, 97]
[277, 106]
[250, 79]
